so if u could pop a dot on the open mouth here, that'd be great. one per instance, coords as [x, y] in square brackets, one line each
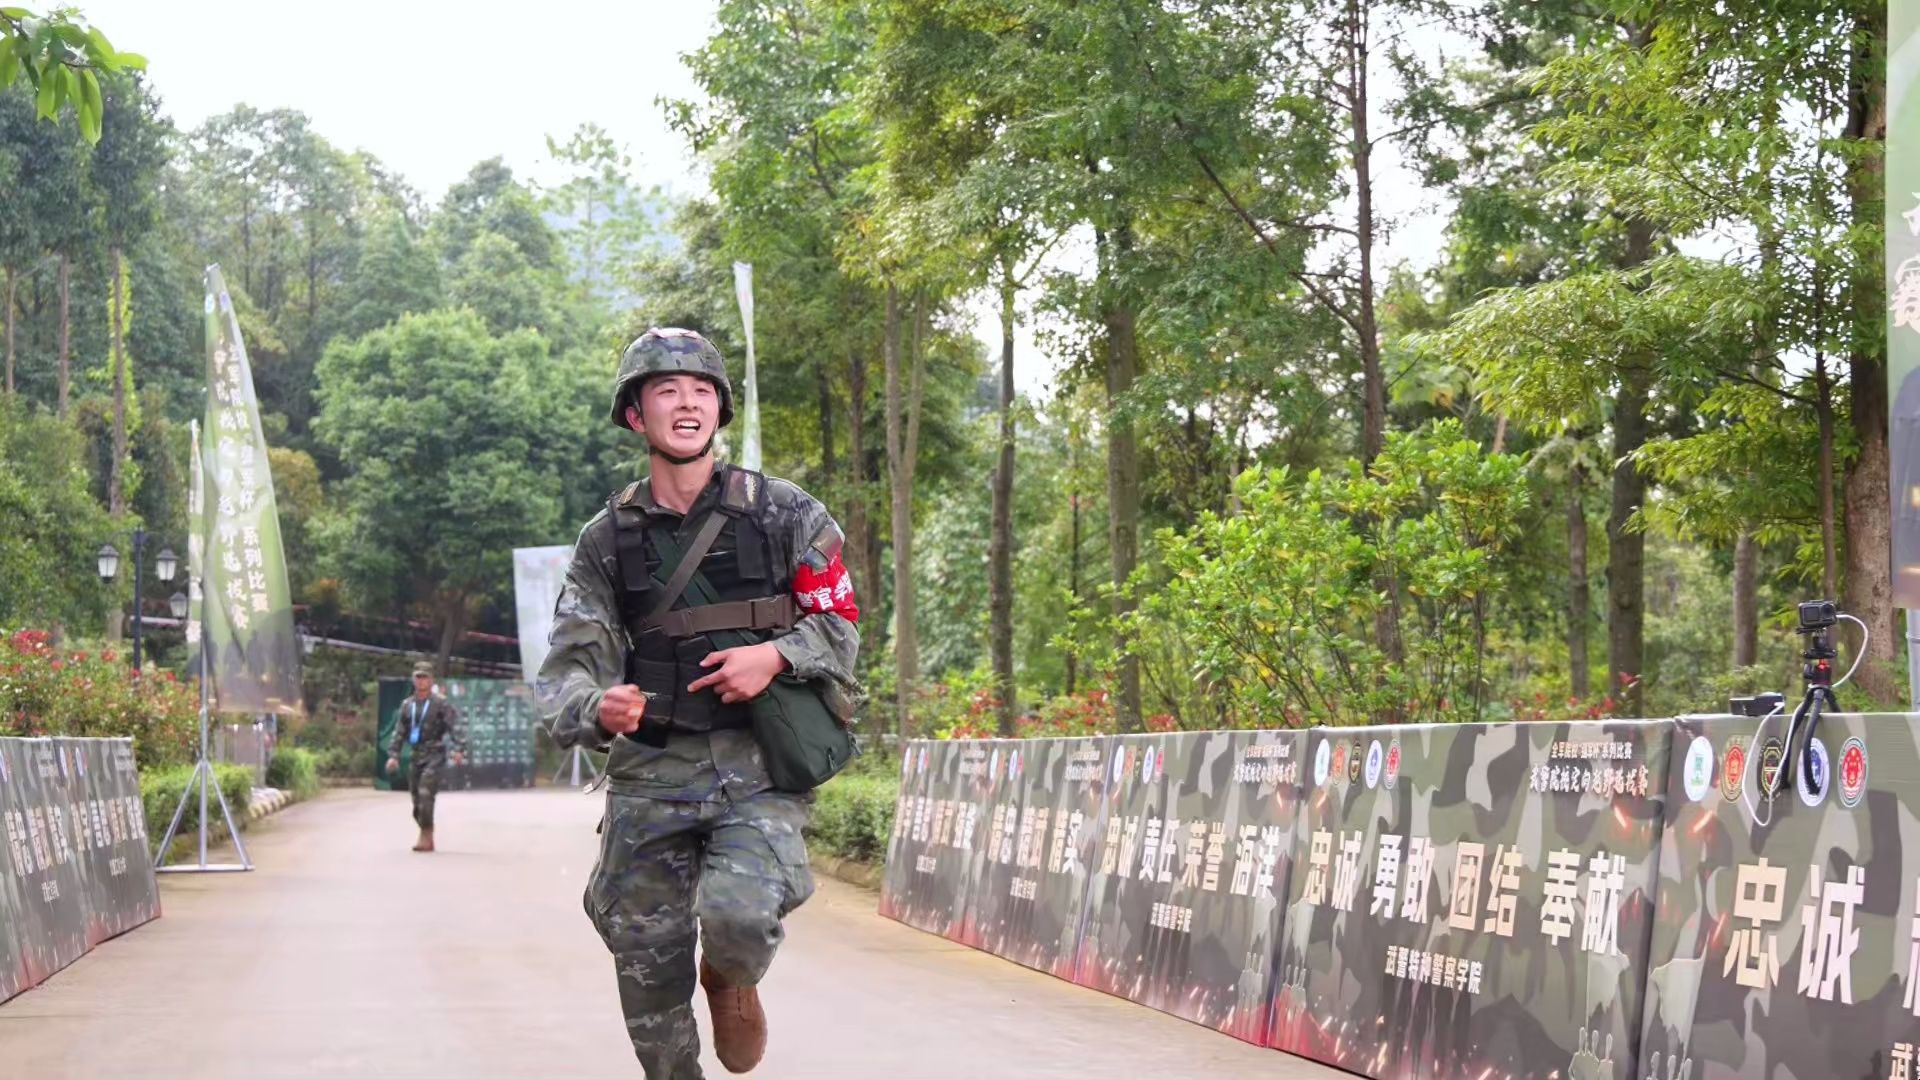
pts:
[686, 427]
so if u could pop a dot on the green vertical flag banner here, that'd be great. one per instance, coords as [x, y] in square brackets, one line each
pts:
[1903, 286]
[246, 609]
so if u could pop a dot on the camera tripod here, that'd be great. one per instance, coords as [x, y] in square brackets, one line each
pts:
[1817, 620]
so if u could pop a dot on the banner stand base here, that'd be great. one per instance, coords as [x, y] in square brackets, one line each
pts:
[204, 779]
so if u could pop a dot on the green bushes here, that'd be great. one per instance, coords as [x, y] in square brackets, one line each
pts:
[294, 770]
[853, 816]
[160, 793]
[338, 761]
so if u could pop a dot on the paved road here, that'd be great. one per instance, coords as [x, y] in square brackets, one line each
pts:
[346, 955]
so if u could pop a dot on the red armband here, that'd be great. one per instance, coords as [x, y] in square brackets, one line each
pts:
[829, 590]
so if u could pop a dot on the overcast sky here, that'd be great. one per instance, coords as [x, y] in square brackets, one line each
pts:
[432, 86]
[428, 86]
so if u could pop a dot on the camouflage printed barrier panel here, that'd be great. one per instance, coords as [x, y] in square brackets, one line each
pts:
[1473, 899]
[1184, 910]
[1578, 901]
[75, 868]
[944, 786]
[1151, 867]
[1030, 877]
[1786, 943]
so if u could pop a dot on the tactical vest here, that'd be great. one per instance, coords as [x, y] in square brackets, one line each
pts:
[740, 586]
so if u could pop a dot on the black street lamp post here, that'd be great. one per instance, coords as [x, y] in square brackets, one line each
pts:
[164, 565]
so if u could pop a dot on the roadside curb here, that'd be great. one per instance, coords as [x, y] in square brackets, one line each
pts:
[267, 801]
[866, 875]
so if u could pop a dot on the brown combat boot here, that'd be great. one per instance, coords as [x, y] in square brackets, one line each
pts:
[739, 1023]
[426, 840]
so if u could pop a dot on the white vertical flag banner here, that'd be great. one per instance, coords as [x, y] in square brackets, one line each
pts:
[196, 538]
[750, 394]
[538, 575]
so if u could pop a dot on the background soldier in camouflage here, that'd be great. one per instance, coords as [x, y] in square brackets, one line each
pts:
[694, 834]
[428, 722]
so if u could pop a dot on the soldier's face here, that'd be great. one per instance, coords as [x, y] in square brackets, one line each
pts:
[677, 413]
[422, 683]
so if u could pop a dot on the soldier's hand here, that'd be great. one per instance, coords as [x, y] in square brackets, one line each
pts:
[393, 763]
[621, 708]
[743, 673]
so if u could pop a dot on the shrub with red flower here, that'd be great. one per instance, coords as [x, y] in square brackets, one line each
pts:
[46, 692]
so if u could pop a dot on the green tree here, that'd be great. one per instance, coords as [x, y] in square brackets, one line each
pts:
[61, 58]
[490, 200]
[396, 275]
[436, 422]
[605, 223]
[54, 524]
[122, 173]
[494, 278]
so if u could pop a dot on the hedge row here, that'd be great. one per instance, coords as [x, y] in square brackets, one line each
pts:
[160, 791]
[294, 771]
[853, 816]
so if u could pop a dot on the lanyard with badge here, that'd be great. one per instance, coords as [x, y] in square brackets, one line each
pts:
[417, 715]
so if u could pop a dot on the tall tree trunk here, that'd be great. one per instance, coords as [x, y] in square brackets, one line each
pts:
[1579, 587]
[1627, 548]
[66, 332]
[1073, 584]
[906, 645]
[1373, 412]
[453, 616]
[1869, 513]
[1000, 557]
[860, 562]
[11, 284]
[1373, 406]
[1746, 600]
[829, 463]
[1123, 473]
[116, 480]
[1829, 525]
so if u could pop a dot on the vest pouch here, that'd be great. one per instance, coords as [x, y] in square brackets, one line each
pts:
[800, 738]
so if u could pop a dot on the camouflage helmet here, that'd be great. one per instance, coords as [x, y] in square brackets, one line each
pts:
[670, 351]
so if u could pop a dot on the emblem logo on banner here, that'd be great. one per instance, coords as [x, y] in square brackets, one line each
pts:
[1699, 774]
[1771, 753]
[1393, 763]
[1733, 770]
[1322, 763]
[1853, 772]
[1816, 794]
[1375, 759]
[1353, 764]
[1339, 762]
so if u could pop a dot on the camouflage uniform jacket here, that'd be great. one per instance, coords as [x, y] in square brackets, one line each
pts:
[589, 644]
[440, 727]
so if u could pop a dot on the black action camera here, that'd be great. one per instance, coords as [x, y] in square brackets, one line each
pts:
[1817, 615]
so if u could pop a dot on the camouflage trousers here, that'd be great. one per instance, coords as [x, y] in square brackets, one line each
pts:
[671, 872]
[424, 781]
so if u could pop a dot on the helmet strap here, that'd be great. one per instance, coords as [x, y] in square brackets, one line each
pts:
[677, 459]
